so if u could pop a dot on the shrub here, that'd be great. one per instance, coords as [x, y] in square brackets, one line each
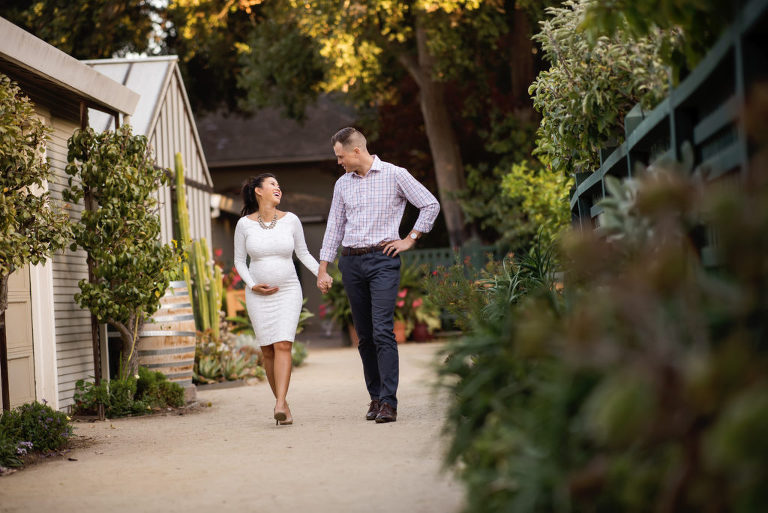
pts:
[38, 424]
[117, 396]
[154, 389]
[590, 86]
[228, 358]
[128, 396]
[298, 353]
[642, 386]
[9, 455]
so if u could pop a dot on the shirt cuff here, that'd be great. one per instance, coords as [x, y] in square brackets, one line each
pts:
[327, 255]
[423, 227]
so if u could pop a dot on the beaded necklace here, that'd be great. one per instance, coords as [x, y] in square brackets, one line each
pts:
[267, 226]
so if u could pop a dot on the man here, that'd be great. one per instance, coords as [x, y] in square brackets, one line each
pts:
[367, 207]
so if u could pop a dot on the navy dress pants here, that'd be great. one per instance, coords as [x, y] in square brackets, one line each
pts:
[371, 282]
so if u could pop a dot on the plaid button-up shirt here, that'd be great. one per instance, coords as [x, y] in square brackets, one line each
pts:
[367, 210]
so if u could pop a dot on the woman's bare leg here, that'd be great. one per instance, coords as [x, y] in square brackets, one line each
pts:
[282, 372]
[268, 352]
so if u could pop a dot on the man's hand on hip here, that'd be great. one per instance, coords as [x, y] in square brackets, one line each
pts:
[396, 247]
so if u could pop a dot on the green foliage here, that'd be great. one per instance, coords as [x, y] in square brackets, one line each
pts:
[299, 353]
[336, 300]
[208, 37]
[700, 21]
[240, 324]
[133, 395]
[221, 359]
[410, 305]
[37, 424]
[533, 195]
[590, 86]
[543, 198]
[9, 447]
[266, 79]
[203, 276]
[30, 230]
[640, 386]
[87, 29]
[154, 389]
[118, 396]
[114, 175]
[303, 316]
[455, 291]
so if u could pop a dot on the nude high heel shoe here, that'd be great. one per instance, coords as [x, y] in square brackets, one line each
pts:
[282, 418]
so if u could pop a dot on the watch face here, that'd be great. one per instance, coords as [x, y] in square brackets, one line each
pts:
[413, 236]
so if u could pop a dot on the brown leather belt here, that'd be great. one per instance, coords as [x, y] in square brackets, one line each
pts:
[361, 251]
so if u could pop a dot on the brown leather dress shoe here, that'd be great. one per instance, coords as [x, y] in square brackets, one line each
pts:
[386, 414]
[373, 410]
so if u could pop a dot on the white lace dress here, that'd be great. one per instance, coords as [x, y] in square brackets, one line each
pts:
[274, 317]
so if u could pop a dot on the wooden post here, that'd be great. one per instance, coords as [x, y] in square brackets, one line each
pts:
[4, 364]
[95, 336]
[3, 342]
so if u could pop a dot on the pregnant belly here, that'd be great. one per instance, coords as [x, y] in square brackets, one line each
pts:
[274, 273]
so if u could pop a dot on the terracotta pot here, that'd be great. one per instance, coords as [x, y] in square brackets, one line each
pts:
[400, 332]
[420, 333]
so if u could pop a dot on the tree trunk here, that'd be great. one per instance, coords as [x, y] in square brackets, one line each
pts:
[129, 364]
[449, 169]
[522, 68]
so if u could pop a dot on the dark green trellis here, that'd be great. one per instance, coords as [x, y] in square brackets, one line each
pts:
[701, 113]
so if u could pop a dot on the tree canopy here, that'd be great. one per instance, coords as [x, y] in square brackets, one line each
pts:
[88, 29]
[30, 230]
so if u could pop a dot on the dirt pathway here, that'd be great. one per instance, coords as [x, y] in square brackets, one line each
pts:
[231, 456]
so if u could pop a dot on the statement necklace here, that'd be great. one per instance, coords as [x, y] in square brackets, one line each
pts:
[267, 226]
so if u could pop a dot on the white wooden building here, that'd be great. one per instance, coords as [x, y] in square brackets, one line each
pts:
[163, 114]
[49, 336]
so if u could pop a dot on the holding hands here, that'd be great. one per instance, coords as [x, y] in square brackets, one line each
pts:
[324, 281]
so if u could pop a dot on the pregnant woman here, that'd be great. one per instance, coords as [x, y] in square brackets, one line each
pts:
[273, 293]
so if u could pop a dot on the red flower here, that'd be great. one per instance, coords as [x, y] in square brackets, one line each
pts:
[400, 303]
[402, 293]
[434, 273]
[218, 252]
[417, 302]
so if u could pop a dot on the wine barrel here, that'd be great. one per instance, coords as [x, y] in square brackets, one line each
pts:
[167, 340]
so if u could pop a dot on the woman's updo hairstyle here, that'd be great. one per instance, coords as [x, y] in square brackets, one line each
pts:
[250, 201]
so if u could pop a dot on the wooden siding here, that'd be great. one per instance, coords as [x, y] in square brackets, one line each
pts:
[174, 132]
[74, 353]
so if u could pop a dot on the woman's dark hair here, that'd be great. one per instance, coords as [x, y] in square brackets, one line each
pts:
[250, 202]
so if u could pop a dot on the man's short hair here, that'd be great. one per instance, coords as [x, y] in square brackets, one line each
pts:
[349, 136]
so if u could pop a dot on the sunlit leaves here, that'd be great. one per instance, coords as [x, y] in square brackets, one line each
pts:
[31, 229]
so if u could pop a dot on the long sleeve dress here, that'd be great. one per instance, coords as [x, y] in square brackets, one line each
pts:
[274, 317]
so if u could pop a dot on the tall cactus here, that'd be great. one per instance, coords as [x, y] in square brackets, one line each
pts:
[204, 280]
[182, 213]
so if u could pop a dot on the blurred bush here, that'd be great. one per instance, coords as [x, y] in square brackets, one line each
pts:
[639, 386]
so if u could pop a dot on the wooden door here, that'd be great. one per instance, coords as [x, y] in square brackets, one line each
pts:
[18, 326]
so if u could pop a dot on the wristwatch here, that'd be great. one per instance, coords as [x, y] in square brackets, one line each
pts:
[414, 236]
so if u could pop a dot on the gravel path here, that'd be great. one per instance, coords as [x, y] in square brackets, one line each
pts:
[231, 457]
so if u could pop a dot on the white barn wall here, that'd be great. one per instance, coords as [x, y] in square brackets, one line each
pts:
[174, 132]
[74, 346]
